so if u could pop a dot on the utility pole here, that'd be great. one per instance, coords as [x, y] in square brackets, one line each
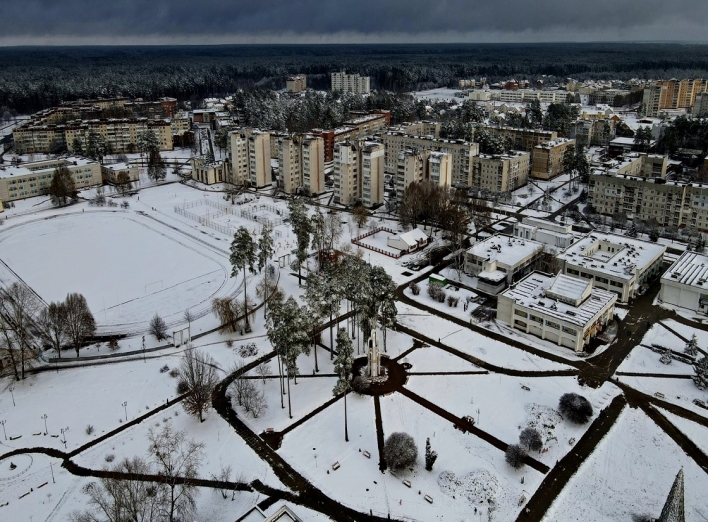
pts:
[45, 423]
[125, 408]
[3, 427]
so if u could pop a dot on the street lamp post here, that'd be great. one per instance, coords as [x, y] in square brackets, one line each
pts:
[3, 428]
[45, 423]
[125, 408]
[12, 389]
[63, 433]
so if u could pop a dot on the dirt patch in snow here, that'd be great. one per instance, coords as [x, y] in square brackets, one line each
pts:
[478, 487]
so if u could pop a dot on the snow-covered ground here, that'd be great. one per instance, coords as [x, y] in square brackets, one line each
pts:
[630, 473]
[680, 392]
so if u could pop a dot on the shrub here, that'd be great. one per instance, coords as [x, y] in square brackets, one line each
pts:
[113, 344]
[89, 429]
[230, 343]
[174, 372]
[515, 456]
[575, 408]
[158, 328]
[414, 288]
[360, 384]
[182, 387]
[110, 457]
[248, 350]
[400, 451]
[530, 439]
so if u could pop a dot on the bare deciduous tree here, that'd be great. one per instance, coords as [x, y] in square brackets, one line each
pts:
[80, 323]
[18, 311]
[52, 326]
[263, 370]
[177, 460]
[197, 374]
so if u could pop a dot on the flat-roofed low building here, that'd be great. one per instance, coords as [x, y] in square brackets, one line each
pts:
[209, 172]
[547, 159]
[557, 236]
[619, 264]
[561, 309]
[500, 260]
[112, 171]
[34, 178]
[685, 283]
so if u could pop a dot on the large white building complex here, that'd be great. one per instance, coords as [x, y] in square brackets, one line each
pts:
[561, 309]
[343, 82]
[501, 260]
[685, 283]
[34, 179]
[556, 236]
[618, 264]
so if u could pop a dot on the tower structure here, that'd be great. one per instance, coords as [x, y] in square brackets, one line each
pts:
[374, 356]
[673, 507]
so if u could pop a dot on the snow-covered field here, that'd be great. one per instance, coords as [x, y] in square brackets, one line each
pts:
[127, 266]
[630, 473]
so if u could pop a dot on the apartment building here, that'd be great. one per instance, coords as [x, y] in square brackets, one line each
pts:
[301, 163]
[592, 132]
[500, 172]
[420, 128]
[296, 84]
[415, 166]
[618, 264]
[700, 106]
[238, 157]
[564, 310]
[346, 173]
[547, 159]
[527, 95]
[672, 95]
[35, 178]
[524, 139]
[259, 171]
[363, 124]
[372, 173]
[343, 82]
[359, 172]
[460, 151]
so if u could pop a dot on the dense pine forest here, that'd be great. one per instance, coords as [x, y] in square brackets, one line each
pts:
[32, 78]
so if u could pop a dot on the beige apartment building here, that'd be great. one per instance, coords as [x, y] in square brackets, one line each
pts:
[415, 166]
[249, 158]
[461, 152]
[524, 139]
[343, 82]
[547, 160]
[359, 172]
[296, 84]
[672, 95]
[110, 172]
[259, 172]
[120, 135]
[34, 179]
[649, 197]
[301, 163]
[500, 173]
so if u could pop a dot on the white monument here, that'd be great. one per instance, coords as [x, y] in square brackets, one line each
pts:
[374, 357]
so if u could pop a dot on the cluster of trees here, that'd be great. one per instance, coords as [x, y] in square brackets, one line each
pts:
[62, 190]
[684, 132]
[35, 79]
[160, 488]
[27, 325]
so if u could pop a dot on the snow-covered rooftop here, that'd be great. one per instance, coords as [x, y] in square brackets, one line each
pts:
[507, 251]
[36, 167]
[614, 255]
[689, 269]
[534, 292]
[412, 237]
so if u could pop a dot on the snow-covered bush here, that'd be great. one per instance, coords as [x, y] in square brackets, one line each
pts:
[515, 456]
[400, 451]
[158, 328]
[248, 350]
[89, 429]
[575, 408]
[530, 439]
[414, 288]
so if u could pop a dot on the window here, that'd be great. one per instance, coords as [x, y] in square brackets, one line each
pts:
[571, 331]
[519, 323]
[552, 324]
[520, 313]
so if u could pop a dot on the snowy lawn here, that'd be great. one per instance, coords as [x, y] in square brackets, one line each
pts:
[473, 343]
[81, 396]
[680, 392]
[630, 473]
[503, 408]
[643, 360]
[433, 359]
[694, 431]
[657, 334]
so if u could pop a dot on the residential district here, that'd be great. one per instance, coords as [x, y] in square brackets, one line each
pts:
[495, 308]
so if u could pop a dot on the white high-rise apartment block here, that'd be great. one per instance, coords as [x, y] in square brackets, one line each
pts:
[301, 163]
[343, 82]
[249, 153]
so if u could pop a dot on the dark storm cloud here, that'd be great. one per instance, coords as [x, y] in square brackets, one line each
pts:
[338, 20]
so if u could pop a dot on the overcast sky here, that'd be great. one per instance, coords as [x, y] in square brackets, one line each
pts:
[348, 21]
